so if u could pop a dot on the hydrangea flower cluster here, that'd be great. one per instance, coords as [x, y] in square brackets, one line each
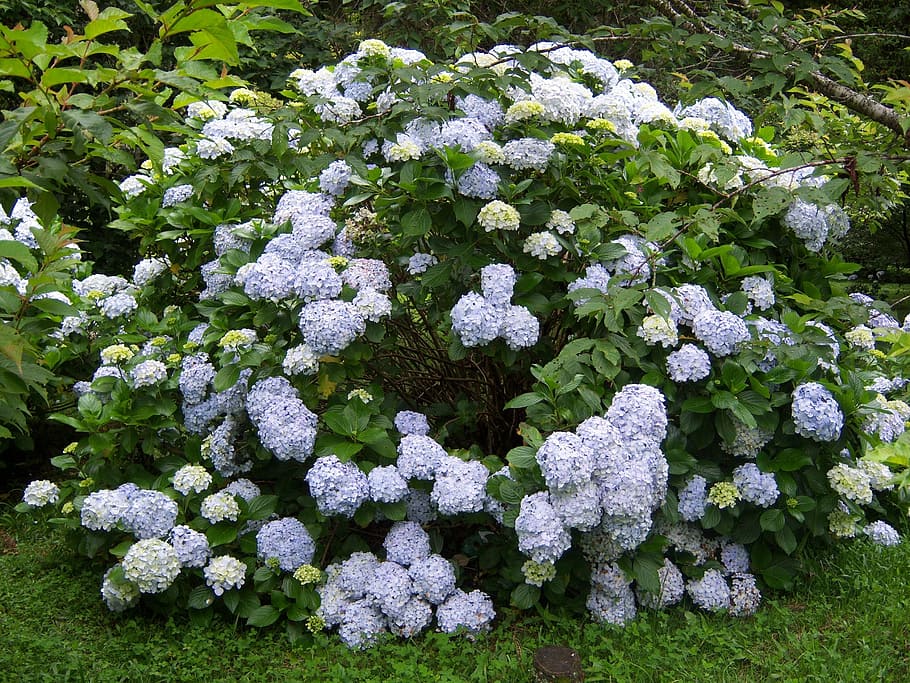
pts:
[816, 413]
[286, 541]
[223, 573]
[339, 256]
[151, 564]
[41, 492]
[605, 480]
[479, 319]
[146, 514]
[285, 425]
[366, 598]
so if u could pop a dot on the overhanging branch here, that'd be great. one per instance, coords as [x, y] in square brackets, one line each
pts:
[679, 11]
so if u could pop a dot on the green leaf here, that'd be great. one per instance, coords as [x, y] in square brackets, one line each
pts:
[772, 520]
[525, 596]
[711, 517]
[524, 400]
[416, 223]
[511, 492]
[122, 548]
[394, 511]
[790, 460]
[99, 127]
[226, 377]
[63, 462]
[200, 597]
[221, 534]
[241, 602]
[53, 306]
[645, 570]
[261, 507]
[786, 540]
[16, 251]
[522, 457]
[263, 616]
[770, 201]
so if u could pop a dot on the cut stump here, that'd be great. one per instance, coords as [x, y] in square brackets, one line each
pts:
[557, 665]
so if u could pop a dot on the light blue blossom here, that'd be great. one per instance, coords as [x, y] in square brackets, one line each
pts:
[755, 486]
[723, 333]
[710, 592]
[816, 413]
[286, 540]
[433, 578]
[472, 611]
[340, 488]
[688, 364]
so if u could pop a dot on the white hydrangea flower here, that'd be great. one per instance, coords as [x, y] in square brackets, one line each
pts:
[193, 478]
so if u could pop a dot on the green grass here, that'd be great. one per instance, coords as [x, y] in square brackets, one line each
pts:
[850, 621]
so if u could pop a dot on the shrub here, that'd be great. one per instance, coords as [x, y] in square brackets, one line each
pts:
[513, 311]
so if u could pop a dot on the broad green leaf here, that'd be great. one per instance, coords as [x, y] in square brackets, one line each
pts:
[16, 251]
[263, 616]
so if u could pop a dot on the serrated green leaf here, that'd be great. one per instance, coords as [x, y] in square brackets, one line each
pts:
[525, 596]
[221, 534]
[263, 616]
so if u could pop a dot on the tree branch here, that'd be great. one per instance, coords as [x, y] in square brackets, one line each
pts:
[679, 11]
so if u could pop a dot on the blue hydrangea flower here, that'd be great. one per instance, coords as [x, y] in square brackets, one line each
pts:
[329, 327]
[419, 456]
[340, 488]
[710, 592]
[390, 588]
[460, 486]
[479, 181]
[735, 558]
[464, 132]
[693, 499]
[489, 112]
[192, 547]
[565, 461]
[755, 486]
[362, 624]
[639, 413]
[285, 425]
[882, 533]
[688, 364]
[433, 578]
[611, 599]
[411, 619]
[406, 543]
[363, 273]
[816, 413]
[418, 263]
[150, 514]
[335, 178]
[541, 535]
[410, 422]
[721, 332]
[519, 328]
[386, 485]
[472, 611]
[528, 153]
[286, 540]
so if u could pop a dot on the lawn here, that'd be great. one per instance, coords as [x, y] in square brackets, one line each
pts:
[848, 621]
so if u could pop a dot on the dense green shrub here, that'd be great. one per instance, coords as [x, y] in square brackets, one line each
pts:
[623, 325]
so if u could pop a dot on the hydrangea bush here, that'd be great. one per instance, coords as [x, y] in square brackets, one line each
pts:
[420, 339]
